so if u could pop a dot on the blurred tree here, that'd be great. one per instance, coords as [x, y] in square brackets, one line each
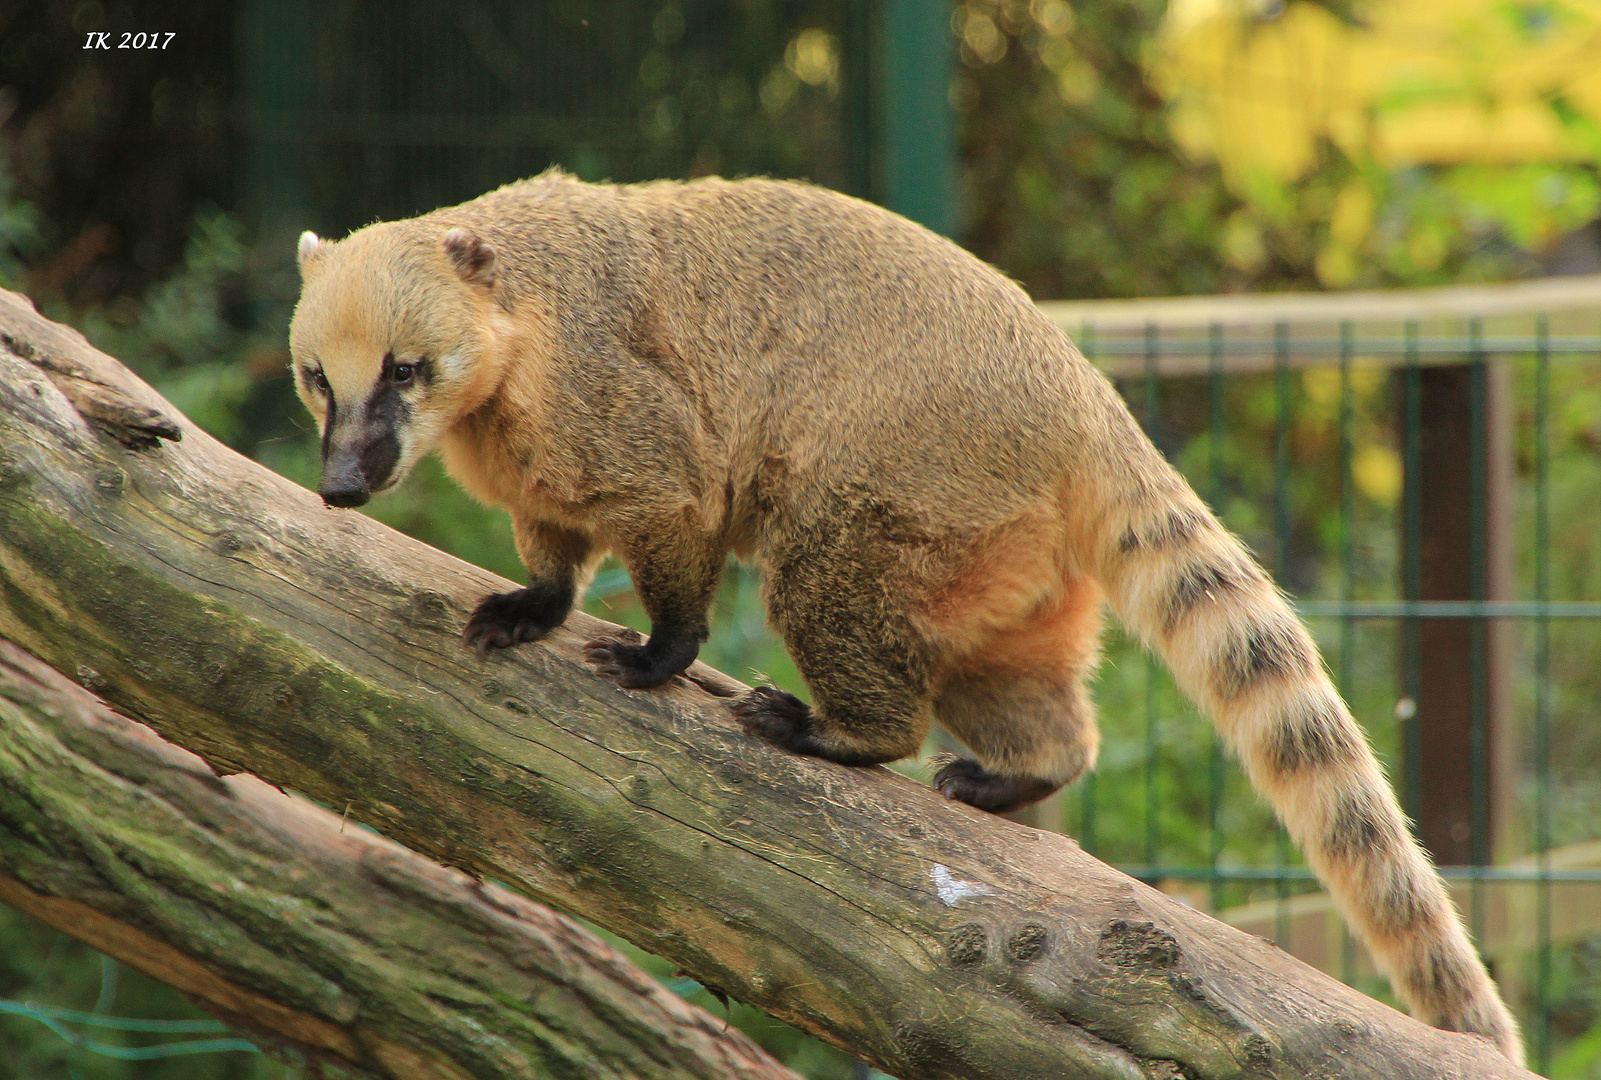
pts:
[115, 148]
[1411, 142]
[1074, 183]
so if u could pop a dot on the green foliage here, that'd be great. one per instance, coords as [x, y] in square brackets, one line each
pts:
[19, 229]
[182, 323]
[1576, 1012]
[1566, 560]
[189, 338]
[636, 91]
[1073, 183]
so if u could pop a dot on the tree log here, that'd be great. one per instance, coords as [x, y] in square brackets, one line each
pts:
[228, 609]
[333, 948]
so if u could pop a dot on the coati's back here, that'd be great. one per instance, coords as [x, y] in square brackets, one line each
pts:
[940, 489]
[808, 325]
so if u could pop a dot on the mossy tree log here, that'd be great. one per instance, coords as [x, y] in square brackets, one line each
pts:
[334, 949]
[231, 611]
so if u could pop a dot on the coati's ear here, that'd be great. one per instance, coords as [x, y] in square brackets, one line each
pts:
[473, 259]
[307, 249]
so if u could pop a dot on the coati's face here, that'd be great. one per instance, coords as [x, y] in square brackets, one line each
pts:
[392, 343]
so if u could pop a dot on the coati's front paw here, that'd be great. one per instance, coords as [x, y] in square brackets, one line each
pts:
[505, 619]
[965, 780]
[782, 719]
[633, 666]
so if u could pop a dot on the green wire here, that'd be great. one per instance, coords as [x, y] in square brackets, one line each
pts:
[53, 1019]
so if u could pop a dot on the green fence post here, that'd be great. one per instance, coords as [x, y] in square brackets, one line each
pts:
[915, 128]
[275, 45]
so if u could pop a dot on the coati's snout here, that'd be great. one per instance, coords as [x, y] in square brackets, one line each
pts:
[351, 476]
[359, 452]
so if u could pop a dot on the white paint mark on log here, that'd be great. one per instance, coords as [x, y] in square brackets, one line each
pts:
[952, 888]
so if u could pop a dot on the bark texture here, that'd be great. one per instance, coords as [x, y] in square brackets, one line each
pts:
[334, 949]
[231, 611]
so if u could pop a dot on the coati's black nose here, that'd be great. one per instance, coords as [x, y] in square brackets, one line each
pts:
[344, 494]
[344, 481]
[343, 485]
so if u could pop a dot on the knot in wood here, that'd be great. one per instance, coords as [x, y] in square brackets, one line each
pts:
[565, 859]
[20, 347]
[1138, 945]
[1189, 987]
[966, 944]
[11, 474]
[1027, 943]
[1258, 1052]
[229, 543]
[926, 1045]
[430, 608]
[111, 480]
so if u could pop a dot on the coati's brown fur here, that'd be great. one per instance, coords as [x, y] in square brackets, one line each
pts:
[939, 489]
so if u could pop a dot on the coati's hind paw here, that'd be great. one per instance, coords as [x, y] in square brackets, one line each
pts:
[782, 719]
[502, 620]
[965, 780]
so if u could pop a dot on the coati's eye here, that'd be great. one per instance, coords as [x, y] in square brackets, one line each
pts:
[403, 373]
[318, 380]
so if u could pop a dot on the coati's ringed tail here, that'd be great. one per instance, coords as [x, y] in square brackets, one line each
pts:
[1192, 592]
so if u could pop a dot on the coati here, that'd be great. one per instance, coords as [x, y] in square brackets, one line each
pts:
[941, 492]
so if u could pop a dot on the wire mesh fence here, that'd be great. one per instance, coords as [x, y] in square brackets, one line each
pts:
[357, 112]
[1422, 472]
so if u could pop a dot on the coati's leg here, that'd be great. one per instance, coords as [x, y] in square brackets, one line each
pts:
[866, 666]
[1020, 702]
[675, 573]
[559, 562]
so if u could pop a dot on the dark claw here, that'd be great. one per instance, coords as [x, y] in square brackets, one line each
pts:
[502, 620]
[633, 666]
[600, 654]
[965, 780]
[782, 719]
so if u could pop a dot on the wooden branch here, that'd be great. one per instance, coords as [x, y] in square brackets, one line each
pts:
[235, 614]
[333, 948]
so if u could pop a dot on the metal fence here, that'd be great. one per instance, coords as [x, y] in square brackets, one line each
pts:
[351, 112]
[1422, 472]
